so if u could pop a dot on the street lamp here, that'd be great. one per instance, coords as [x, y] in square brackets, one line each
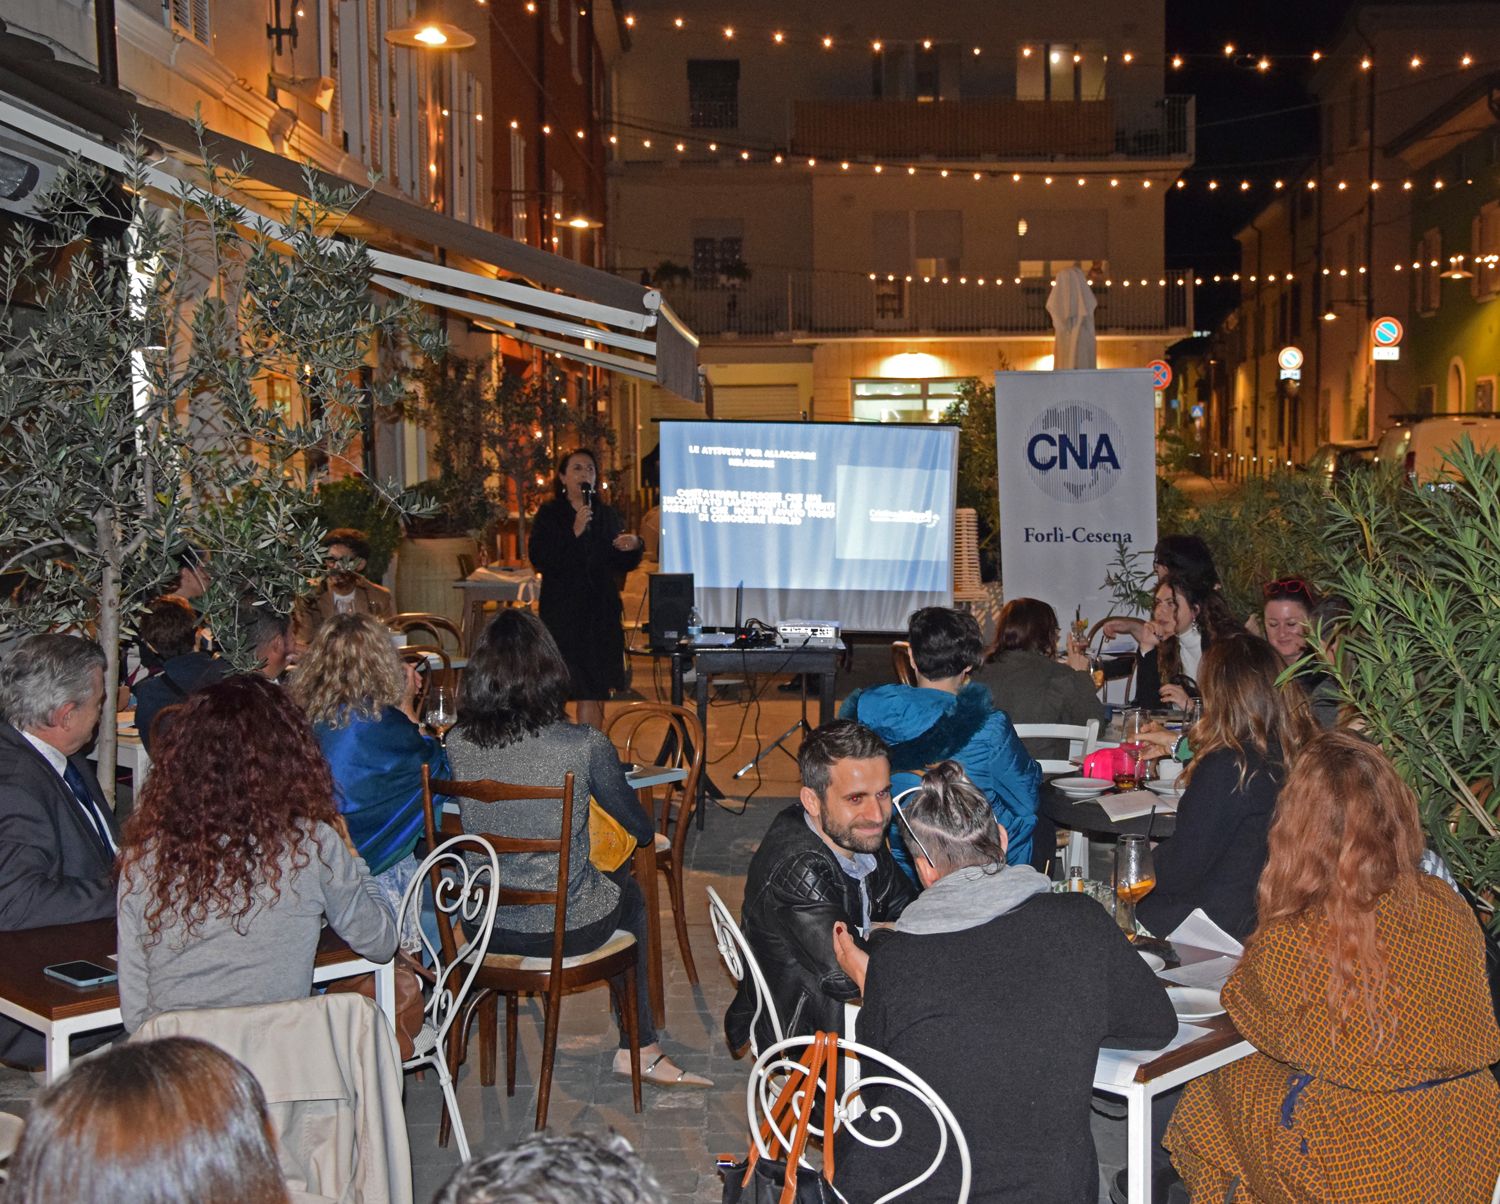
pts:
[425, 32]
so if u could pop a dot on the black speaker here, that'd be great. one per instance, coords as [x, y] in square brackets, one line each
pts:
[671, 601]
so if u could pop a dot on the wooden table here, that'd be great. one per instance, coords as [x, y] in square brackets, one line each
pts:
[58, 1011]
[644, 869]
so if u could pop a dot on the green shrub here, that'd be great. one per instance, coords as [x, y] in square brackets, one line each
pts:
[353, 503]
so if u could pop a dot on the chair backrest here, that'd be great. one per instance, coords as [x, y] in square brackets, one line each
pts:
[901, 662]
[683, 730]
[779, 1092]
[460, 892]
[434, 624]
[740, 959]
[1083, 737]
[486, 791]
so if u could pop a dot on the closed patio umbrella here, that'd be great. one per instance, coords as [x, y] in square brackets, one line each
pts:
[1072, 308]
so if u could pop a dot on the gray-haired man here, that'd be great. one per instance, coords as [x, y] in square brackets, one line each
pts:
[58, 838]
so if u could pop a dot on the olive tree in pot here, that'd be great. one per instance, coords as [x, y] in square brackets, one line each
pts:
[498, 435]
[143, 320]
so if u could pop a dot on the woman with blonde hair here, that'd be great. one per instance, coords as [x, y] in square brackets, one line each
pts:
[1364, 993]
[358, 694]
[1250, 732]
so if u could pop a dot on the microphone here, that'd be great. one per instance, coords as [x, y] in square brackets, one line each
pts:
[587, 490]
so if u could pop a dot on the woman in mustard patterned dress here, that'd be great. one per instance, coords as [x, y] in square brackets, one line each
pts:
[1363, 991]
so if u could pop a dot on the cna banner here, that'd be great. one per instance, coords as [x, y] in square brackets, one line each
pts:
[1077, 467]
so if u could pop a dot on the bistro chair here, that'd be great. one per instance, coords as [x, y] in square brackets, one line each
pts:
[1083, 739]
[1135, 657]
[460, 892]
[512, 975]
[678, 798]
[788, 1079]
[739, 959]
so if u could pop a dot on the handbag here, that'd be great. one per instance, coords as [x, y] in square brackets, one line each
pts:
[773, 1180]
[610, 846]
[410, 1006]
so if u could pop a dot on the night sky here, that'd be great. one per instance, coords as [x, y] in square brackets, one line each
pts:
[1252, 124]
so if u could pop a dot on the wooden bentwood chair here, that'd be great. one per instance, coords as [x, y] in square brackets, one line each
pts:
[512, 975]
[683, 731]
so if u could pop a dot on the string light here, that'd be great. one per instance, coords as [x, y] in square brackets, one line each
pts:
[678, 22]
[778, 36]
[1364, 64]
[1128, 56]
[827, 43]
[1176, 62]
[976, 51]
[877, 47]
[1415, 62]
[1278, 184]
[729, 32]
[1263, 65]
[1229, 49]
[1047, 180]
[944, 173]
[1466, 61]
[1317, 55]
[629, 20]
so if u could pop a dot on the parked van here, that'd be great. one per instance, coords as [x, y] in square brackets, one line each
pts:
[1419, 445]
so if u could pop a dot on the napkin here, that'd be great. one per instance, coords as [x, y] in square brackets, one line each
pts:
[1202, 933]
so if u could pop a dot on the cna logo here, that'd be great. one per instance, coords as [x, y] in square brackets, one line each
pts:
[1074, 452]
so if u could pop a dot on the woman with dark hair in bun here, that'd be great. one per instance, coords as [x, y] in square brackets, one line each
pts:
[579, 546]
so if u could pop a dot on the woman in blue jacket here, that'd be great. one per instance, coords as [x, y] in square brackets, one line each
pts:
[945, 717]
[358, 694]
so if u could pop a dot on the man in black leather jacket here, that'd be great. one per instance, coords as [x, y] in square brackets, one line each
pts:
[823, 860]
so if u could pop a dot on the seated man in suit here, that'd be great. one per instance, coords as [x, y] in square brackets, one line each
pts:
[169, 631]
[58, 837]
[823, 861]
[344, 590]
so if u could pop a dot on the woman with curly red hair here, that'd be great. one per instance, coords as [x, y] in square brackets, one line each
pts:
[1364, 991]
[232, 858]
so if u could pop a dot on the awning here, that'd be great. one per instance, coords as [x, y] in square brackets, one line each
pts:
[534, 296]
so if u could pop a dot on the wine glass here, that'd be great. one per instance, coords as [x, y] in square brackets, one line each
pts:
[1135, 877]
[441, 713]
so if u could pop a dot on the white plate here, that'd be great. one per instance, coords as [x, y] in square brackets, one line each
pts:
[1165, 789]
[1082, 787]
[1194, 1003]
[1152, 960]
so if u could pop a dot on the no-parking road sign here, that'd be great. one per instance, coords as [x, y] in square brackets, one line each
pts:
[1161, 374]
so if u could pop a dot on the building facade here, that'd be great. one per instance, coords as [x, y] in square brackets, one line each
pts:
[858, 206]
[1334, 251]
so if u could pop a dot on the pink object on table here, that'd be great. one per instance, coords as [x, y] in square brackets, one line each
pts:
[1106, 762]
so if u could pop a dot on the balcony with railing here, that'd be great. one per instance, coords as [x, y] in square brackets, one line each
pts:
[1002, 128]
[832, 304]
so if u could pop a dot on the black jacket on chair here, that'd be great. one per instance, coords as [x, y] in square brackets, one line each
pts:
[795, 892]
[54, 866]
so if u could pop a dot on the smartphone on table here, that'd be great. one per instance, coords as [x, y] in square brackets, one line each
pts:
[81, 974]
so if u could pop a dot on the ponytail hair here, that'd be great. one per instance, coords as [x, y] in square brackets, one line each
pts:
[952, 819]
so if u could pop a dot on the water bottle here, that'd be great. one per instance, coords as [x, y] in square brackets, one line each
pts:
[1075, 878]
[695, 624]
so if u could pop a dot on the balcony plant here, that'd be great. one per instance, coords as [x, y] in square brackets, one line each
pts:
[174, 376]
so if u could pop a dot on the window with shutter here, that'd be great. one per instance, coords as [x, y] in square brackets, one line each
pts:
[190, 17]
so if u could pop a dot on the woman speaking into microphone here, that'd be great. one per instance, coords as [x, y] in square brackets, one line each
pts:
[579, 545]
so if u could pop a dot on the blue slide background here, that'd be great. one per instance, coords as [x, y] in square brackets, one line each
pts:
[858, 466]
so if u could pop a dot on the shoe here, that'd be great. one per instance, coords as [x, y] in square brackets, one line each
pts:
[1166, 1187]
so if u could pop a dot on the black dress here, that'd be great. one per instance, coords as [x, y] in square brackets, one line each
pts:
[580, 601]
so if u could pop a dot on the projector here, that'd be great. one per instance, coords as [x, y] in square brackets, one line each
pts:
[808, 633]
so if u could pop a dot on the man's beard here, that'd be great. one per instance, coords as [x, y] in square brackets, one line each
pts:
[853, 841]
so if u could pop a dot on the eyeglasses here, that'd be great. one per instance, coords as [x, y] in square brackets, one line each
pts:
[1287, 585]
[896, 804]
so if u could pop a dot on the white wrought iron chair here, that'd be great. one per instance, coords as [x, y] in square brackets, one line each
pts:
[738, 957]
[1084, 739]
[778, 1071]
[460, 892]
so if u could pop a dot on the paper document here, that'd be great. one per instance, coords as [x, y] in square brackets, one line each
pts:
[1117, 1067]
[1135, 803]
[1210, 975]
[1202, 933]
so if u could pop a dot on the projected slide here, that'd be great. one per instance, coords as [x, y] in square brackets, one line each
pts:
[818, 520]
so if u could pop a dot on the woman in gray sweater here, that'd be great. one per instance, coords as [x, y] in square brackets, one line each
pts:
[513, 728]
[232, 858]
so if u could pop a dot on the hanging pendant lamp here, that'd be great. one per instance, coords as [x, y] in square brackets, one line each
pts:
[426, 32]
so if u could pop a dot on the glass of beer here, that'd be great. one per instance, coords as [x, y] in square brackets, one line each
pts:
[1135, 877]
